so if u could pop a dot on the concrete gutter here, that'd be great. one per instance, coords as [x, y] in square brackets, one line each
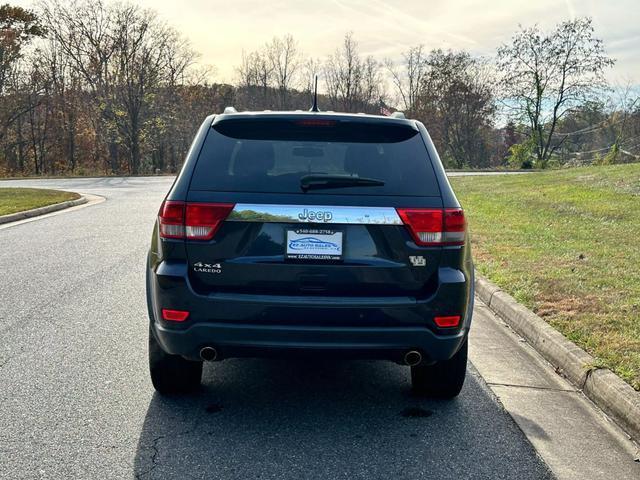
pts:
[608, 391]
[36, 212]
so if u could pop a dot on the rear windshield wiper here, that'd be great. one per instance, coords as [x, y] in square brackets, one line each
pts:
[314, 182]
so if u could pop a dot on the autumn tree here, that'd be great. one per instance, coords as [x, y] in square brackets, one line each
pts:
[112, 89]
[458, 103]
[125, 55]
[85, 34]
[18, 27]
[451, 92]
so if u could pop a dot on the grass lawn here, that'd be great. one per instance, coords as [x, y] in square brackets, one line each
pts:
[13, 200]
[566, 244]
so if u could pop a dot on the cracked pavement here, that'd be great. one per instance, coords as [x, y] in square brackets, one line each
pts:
[76, 400]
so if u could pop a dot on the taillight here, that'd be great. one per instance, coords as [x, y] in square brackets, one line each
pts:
[204, 219]
[434, 227]
[171, 219]
[193, 221]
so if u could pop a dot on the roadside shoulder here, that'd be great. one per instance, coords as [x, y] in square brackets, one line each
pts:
[608, 391]
[15, 217]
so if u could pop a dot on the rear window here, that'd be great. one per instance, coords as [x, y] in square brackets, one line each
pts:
[269, 156]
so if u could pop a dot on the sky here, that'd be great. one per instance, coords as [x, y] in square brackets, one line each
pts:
[221, 29]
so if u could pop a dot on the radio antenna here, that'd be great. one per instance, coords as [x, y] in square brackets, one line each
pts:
[315, 108]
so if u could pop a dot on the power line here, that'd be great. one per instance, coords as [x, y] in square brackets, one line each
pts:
[592, 151]
[622, 144]
[589, 129]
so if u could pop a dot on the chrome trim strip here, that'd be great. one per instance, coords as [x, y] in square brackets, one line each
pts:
[253, 212]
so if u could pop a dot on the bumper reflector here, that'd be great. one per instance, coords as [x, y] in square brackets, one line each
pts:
[447, 322]
[174, 315]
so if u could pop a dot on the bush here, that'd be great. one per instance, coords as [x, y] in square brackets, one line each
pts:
[521, 155]
[612, 155]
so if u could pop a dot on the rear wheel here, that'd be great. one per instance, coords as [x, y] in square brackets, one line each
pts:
[443, 379]
[172, 373]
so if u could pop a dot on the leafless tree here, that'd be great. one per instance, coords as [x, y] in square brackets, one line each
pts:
[284, 57]
[247, 76]
[546, 74]
[623, 105]
[66, 104]
[256, 77]
[373, 91]
[408, 77]
[343, 75]
[310, 69]
[353, 84]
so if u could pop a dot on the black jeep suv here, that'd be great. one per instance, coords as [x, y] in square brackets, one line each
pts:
[291, 233]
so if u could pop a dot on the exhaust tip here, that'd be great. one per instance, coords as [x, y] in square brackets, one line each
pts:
[208, 354]
[412, 358]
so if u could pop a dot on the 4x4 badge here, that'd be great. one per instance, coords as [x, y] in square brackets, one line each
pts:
[207, 267]
[417, 261]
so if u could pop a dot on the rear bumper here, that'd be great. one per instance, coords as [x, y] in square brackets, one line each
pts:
[274, 341]
[241, 325]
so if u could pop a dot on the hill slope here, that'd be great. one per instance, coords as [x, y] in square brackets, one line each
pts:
[566, 244]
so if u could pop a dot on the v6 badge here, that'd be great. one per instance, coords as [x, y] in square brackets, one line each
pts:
[418, 261]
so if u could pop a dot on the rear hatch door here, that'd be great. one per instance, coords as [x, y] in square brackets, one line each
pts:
[341, 236]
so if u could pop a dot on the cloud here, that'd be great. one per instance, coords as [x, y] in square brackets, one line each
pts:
[221, 29]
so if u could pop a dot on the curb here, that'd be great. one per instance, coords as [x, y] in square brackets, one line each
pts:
[77, 177]
[603, 387]
[14, 217]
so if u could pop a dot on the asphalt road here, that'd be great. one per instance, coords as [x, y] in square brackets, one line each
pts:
[76, 400]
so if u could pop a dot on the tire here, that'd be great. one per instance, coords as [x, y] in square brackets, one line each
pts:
[443, 379]
[172, 373]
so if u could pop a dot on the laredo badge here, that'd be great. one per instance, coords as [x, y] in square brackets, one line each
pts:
[207, 267]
